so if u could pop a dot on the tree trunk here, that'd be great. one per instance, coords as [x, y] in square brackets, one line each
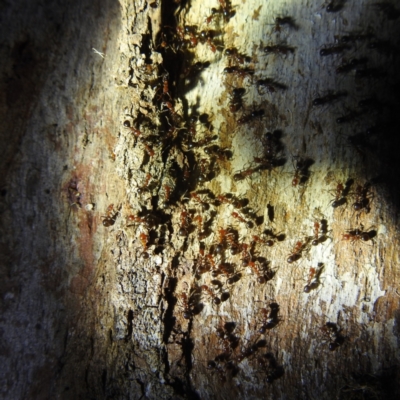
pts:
[166, 235]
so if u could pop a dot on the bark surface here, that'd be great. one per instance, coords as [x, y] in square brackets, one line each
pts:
[166, 236]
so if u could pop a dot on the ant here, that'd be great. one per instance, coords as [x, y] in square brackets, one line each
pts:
[260, 277]
[195, 196]
[225, 10]
[233, 200]
[144, 237]
[110, 217]
[352, 115]
[296, 252]
[333, 332]
[313, 278]
[236, 99]
[301, 170]
[288, 21]
[269, 85]
[351, 65]
[237, 216]
[250, 117]
[135, 131]
[354, 235]
[240, 72]
[329, 98]
[233, 54]
[239, 176]
[258, 239]
[270, 317]
[216, 300]
[335, 6]
[335, 49]
[320, 227]
[167, 193]
[185, 220]
[356, 37]
[369, 73]
[145, 185]
[187, 305]
[224, 269]
[390, 11]
[278, 49]
[341, 193]
[275, 371]
[362, 196]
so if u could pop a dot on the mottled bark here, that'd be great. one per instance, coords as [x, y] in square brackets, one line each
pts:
[118, 214]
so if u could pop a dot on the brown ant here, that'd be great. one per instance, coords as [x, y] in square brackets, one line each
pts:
[187, 305]
[216, 300]
[267, 362]
[301, 170]
[234, 55]
[145, 185]
[341, 191]
[167, 193]
[313, 278]
[320, 228]
[237, 216]
[332, 331]
[260, 277]
[296, 252]
[335, 49]
[270, 317]
[185, 221]
[258, 239]
[362, 198]
[110, 217]
[239, 72]
[236, 99]
[195, 196]
[239, 176]
[135, 131]
[355, 235]
[144, 237]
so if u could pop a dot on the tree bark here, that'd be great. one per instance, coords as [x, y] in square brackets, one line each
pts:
[146, 254]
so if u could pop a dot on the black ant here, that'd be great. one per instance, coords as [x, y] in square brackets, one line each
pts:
[329, 98]
[278, 49]
[288, 21]
[353, 64]
[334, 49]
[390, 11]
[251, 116]
[269, 85]
[335, 6]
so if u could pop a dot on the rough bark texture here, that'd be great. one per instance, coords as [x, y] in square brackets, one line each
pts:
[121, 302]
